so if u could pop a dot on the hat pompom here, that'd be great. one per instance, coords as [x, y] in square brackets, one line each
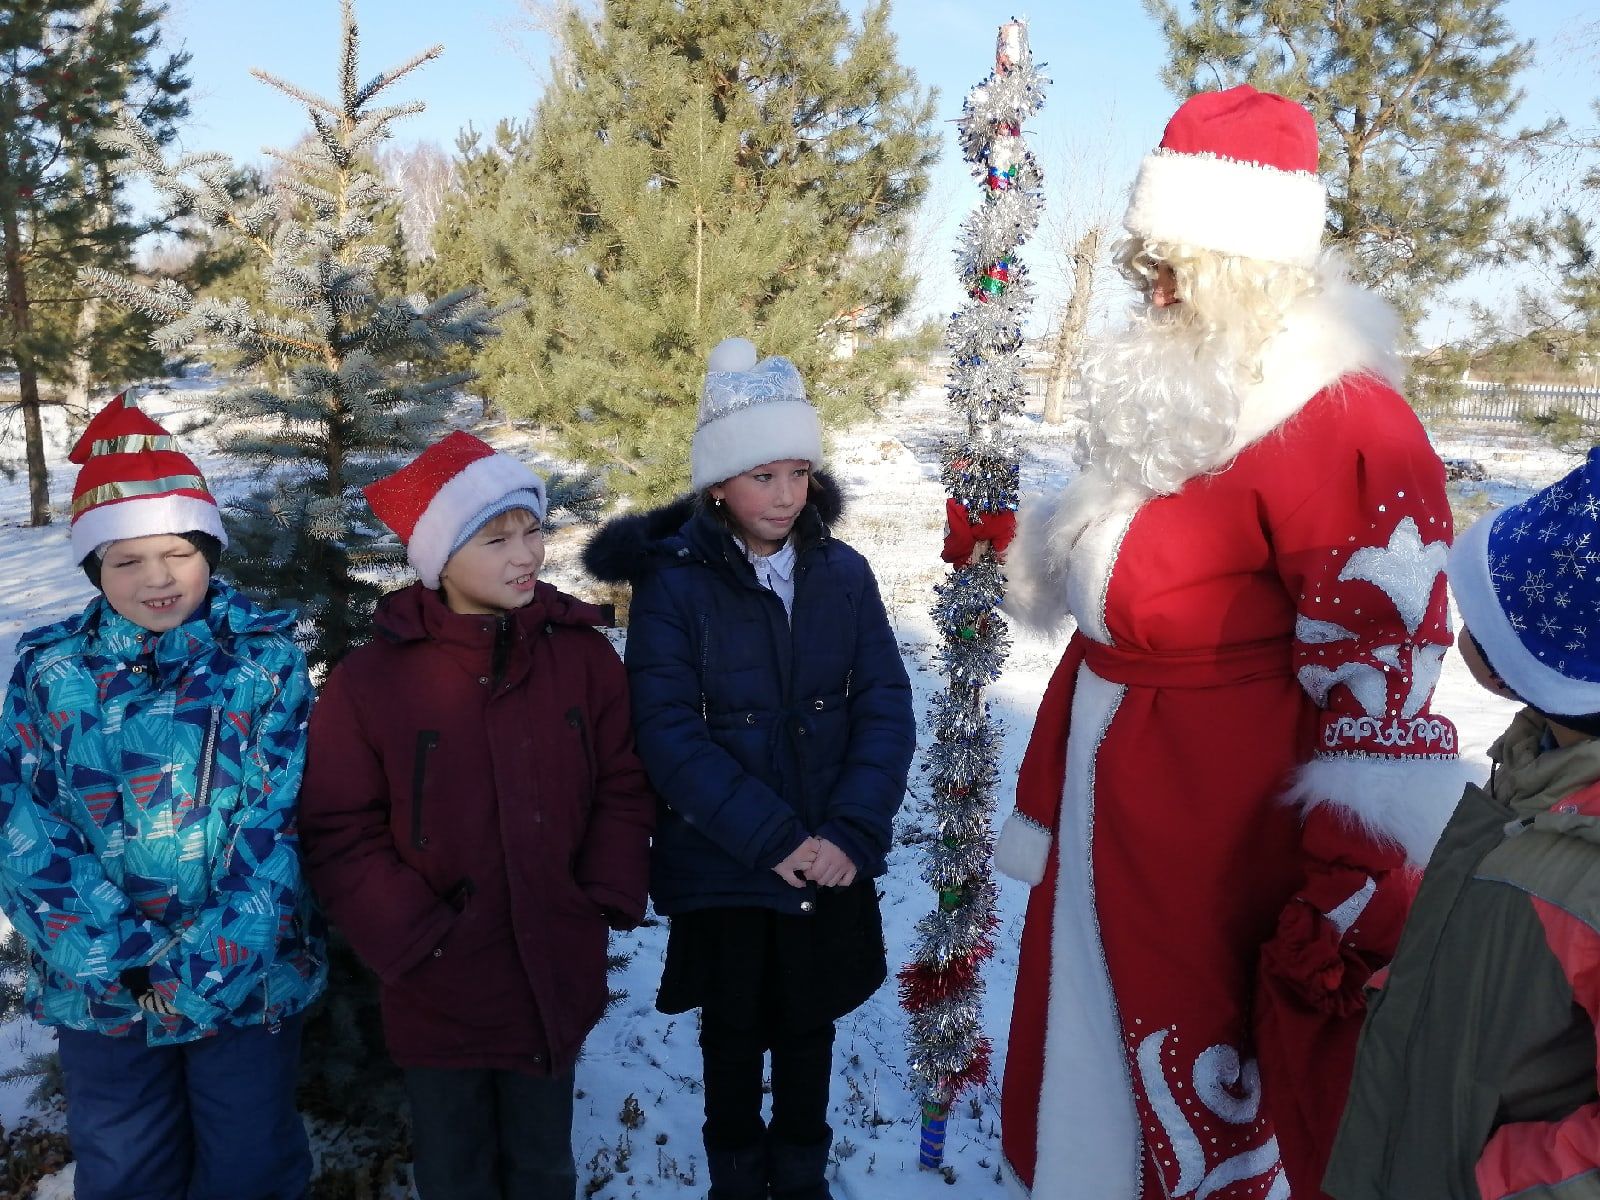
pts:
[732, 354]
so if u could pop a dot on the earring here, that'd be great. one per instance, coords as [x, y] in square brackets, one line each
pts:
[717, 500]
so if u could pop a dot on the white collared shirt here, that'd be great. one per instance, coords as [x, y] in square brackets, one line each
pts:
[775, 571]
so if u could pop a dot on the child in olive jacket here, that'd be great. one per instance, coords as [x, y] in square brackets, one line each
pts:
[1477, 1073]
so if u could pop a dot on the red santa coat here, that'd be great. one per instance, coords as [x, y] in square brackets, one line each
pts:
[1232, 776]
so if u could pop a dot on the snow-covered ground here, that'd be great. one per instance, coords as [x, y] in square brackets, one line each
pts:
[889, 467]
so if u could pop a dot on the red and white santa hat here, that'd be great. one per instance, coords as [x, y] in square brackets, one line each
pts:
[449, 492]
[135, 482]
[1236, 172]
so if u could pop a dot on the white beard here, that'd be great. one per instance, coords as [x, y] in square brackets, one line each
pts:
[1163, 405]
[1166, 405]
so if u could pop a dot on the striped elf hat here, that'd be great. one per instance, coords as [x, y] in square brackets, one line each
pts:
[135, 482]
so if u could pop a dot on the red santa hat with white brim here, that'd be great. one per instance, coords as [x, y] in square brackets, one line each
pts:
[450, 491]
[1236, 173]
[135, 482]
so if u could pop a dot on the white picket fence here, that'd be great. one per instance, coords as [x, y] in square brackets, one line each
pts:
[1483, 400]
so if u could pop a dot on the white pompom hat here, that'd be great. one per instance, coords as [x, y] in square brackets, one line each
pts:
[751, 412]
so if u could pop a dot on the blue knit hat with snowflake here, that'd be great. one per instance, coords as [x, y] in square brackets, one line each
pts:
[1527, 583]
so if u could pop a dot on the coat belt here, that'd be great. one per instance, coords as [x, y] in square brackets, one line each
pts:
[1241, 662]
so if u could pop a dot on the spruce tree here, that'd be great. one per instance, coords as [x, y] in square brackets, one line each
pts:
[355, 398]
[68, 70]
[697, 171]
[1414, 102]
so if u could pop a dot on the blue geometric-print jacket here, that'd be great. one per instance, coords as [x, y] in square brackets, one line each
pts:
[148, 790]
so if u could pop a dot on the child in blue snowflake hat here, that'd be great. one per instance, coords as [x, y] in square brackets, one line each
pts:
[150, 760]
[1477, 1072]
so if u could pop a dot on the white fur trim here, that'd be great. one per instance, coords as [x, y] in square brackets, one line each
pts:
[748, 437]
[1537, 683]
[1232, 207]
[1090, 1142]
[144, 516]
[1404, 801]
[1094, 558]
[1340, 330]
[1347, 913]
[1034, 595]
[1023, 849]
[469, 492]
[1066, 547]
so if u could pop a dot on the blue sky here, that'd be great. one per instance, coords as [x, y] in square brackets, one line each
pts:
[1105, 107]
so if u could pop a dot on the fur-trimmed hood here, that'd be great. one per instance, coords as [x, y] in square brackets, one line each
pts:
[628, 547]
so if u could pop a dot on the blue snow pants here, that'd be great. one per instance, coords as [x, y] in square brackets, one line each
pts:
[207, 1120]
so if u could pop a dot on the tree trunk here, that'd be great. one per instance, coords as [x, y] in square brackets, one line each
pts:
[1069, 338]
[80, 378]
[28, 377]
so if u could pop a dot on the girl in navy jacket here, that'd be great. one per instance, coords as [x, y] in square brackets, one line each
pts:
[773, 715]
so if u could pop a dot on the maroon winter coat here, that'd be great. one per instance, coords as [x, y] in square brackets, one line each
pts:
[473, 815]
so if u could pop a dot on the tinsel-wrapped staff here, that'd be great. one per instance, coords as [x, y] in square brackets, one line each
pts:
[941, 987]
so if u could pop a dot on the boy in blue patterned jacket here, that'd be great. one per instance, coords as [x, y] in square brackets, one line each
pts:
[150, 762]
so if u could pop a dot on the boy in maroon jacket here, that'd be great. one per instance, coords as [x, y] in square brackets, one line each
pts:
[474, 818]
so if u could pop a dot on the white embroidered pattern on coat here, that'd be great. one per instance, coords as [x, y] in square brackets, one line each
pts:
[1406, 569]
[1228, 1089]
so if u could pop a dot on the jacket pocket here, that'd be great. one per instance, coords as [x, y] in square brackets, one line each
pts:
[581, 727]
[427, 739]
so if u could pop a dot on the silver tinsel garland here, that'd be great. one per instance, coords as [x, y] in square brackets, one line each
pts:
[941, 987]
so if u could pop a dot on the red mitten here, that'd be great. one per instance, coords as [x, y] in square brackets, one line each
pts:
[1345, 921]
[963, 532]
[959, 541]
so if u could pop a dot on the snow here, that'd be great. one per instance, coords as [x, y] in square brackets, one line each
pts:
[889, 468]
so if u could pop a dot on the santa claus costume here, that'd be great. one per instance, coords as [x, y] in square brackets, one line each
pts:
[1234, 773]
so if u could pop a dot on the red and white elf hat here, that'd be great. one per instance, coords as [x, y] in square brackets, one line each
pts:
[1236, 172]
[448, 493]
[135, 482]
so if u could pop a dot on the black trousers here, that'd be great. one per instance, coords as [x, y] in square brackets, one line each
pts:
[491, 1135]
[802, 1069]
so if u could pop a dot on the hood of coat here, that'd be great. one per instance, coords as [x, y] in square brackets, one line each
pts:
[1555, 790]
[226, 611]
[628, 547]
[417, 613]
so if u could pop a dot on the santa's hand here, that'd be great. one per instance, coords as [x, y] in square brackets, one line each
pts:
[1341, 927]
[963, 532]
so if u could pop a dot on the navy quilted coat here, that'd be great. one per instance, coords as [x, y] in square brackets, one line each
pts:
[757, 732]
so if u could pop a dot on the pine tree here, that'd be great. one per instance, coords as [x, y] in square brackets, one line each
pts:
[697, 171]
[353, 402]
[68, 69]
[1414, 101]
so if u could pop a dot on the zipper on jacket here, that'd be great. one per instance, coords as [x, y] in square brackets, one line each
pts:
[500, 654]
[208, 757]
[427, 739]
[705, 656]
